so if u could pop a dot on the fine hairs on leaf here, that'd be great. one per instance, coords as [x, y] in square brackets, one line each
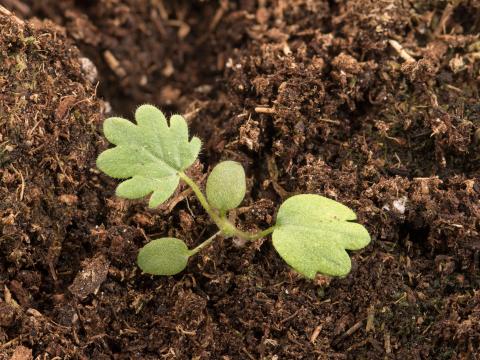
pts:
[312, 233]
[150, 154]
[226, 186]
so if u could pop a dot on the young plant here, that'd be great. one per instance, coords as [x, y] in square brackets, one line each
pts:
[311, 232]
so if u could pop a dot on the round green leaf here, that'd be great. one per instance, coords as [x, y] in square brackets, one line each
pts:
[226, 185]
[312, 233]
[165, 256]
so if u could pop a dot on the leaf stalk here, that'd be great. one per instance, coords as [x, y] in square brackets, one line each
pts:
[226, 227]
[204, 244]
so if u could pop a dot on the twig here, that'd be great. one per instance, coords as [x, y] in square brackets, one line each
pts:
[349, 332]
[19, 6]
[401, 51]
[264, 110]
[22, 185]
[370, 319]
[315, 334]
[191, 114]
[357, 345]
[218, 15]
[248, 354]
[114, 64]
[447, 12]
[183, 195]
[4, 11]
[291, 316]
[329, 121]
[9, 343]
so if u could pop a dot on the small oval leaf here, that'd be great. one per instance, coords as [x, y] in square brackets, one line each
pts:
[165, 256]
[312, 233]
[226, 185]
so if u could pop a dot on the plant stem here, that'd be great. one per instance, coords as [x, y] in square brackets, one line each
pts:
[258, 235]
[205, 243]
[225, 226]
[203, 200]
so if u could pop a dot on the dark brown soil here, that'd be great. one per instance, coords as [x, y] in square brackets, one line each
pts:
[373, 103]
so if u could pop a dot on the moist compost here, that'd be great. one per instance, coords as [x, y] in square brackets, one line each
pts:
[371, 103]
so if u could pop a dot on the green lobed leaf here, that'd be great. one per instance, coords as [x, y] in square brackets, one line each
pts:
[165, 256]
[149, 154]
[312, 233]
[226, 185]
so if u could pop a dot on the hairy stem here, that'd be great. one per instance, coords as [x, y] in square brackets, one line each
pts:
[225, 226]
[258, 235]
[204, 244]
[203, 200]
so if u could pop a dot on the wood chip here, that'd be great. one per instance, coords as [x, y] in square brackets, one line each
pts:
[315, 334]
[264, 110]
[90, 278]
[370, 319]
[114, 64]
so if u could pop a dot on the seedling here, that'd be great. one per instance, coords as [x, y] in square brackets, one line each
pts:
[311, 233]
